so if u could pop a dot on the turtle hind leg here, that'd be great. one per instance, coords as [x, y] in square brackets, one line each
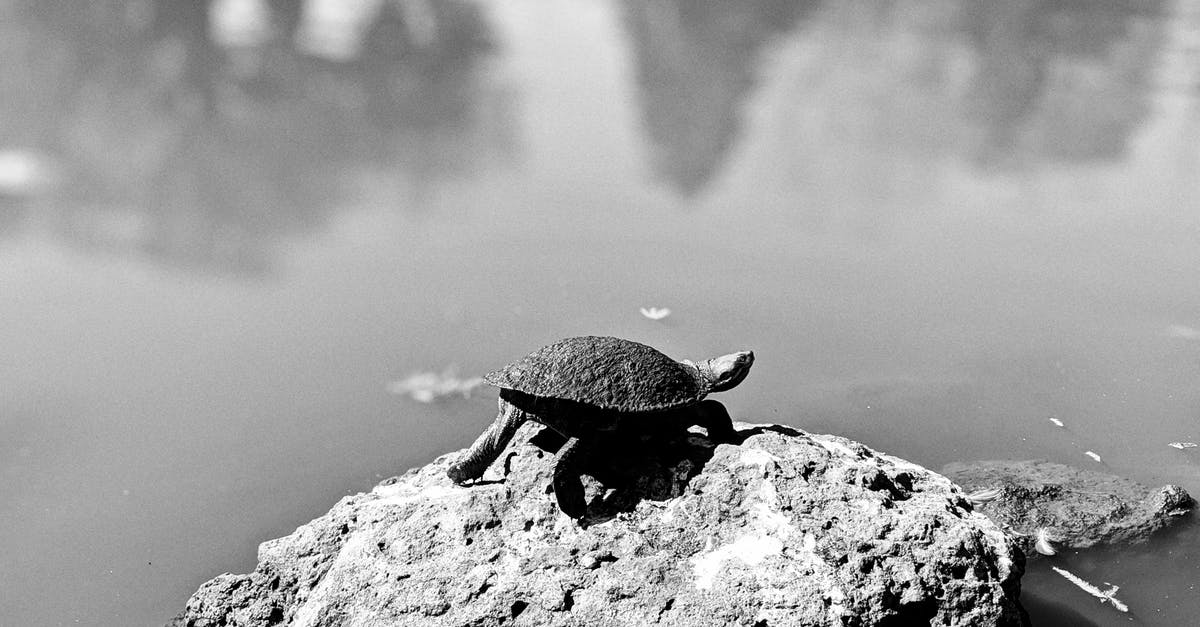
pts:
[568, 488]
[715, 419]
[488, 445]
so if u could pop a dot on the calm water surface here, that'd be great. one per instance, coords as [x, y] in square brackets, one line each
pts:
[225, 229]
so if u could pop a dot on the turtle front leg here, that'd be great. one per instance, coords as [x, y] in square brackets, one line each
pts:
[715, 419]
[568, 488]
[488, 445]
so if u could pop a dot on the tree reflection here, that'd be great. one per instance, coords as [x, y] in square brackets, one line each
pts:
[1058, 80]
[696, 60]
[202, 133]
[884, 90]
[193, 133]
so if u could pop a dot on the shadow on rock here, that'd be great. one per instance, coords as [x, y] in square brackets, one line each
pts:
[633, 465]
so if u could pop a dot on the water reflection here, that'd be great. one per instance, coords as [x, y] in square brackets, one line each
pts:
[882, 91]
[1058, 80]
[200, 134]
[696, 61]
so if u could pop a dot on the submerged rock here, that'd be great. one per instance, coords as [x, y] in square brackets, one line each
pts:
[1073, 508]
[785, 528]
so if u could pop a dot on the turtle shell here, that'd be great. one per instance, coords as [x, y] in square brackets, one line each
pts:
[606, 372]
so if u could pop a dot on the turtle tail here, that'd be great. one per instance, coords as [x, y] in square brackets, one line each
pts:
[488, 445]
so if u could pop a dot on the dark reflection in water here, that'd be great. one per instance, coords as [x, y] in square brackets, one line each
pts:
[1013, 84]
[1058, 80]
[696, 61]
[202, 148]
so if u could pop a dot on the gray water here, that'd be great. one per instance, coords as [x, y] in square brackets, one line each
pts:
[224, 231]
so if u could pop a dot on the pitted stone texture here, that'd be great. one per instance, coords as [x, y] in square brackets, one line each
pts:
[1077, 508]
[786, 528]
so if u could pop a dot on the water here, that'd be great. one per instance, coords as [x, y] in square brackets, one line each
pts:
[225, 230]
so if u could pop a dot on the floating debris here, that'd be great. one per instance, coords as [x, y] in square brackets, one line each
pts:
[1093, 456]
[1058, 423]
[655, 313]
[979, 497]
[427, 387]
[1183, 445]
[1103, 595]
[1043, 542]
[1183, 332]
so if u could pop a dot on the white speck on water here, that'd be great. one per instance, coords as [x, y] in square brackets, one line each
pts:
[1056, 422]
[1183, 445]
[1108, 595]
[1093, 456]
[1183, 332]
[1043, 542]
[655, 313]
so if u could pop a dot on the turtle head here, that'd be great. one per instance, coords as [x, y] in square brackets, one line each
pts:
[725, 372]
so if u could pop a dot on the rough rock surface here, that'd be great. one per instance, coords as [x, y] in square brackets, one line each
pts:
[785, 528]
[1076, 508]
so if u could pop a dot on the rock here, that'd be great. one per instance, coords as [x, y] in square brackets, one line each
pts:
[1076, 508]
[785, 528]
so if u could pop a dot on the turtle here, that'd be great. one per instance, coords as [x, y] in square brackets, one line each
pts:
[591, 387]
